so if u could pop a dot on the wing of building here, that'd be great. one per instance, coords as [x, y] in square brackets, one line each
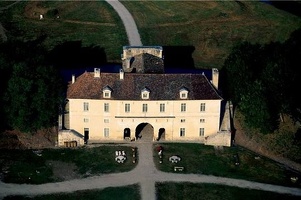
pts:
[141, 102]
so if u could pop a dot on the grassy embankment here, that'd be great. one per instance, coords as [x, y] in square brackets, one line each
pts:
[212, 27]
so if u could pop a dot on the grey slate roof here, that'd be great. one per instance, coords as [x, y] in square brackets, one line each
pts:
[147, 63]
[161, 86]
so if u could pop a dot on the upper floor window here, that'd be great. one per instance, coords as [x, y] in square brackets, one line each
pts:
[86, 106]
[145, 93]
[127, 107]
[162, 107]
[144, 107]
[182, 120]
[107, 92]
[203, 107]
[106, 107]
[86, 120]
[202, 120]
[202, 131]
[183, 93]
[183, 107]
[182, 132]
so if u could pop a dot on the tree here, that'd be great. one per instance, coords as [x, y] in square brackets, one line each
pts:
[34, 87]
[263, 81]
[256, 108]
[241, 68]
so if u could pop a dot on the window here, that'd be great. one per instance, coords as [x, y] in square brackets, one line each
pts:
[106, 107]
[145, 93]
[203, 107]
[183, 93]
[202, 120]
[106, 132]
[107, 92]
[86, 120]
[127, 107]
[182, 120]
[162, 107]
[106, 120]
[106, 95]
[86, 106]
[144, 107]
[183, 107]
[182, 132]
[202, 130]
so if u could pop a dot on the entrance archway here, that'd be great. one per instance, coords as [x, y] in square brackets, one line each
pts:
[161, 134]
[144, 131]
[127, 133]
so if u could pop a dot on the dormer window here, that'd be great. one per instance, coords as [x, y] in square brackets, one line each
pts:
[145, 93]
[107, 92]
[183, 93]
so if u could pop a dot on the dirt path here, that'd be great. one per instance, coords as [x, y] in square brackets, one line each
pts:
[128, 21]
[145, 174]
[3, 36]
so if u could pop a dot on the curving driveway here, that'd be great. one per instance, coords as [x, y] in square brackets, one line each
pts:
[145, 174]
[128, 21]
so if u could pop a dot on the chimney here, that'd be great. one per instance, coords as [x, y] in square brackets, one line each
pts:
[97, 72]
[121, 74]
[215, 77]
[73, 78]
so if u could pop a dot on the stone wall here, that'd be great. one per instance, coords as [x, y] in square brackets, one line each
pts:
[70, 138]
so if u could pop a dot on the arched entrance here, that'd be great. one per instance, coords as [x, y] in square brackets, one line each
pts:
[145, 132]
[126, 133]
[161, 134]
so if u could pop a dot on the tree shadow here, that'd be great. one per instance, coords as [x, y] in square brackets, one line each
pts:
[72, 55]
[71, 58]
[179, 57]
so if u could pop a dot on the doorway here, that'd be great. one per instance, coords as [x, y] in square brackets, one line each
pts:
[86, 135]
[145, 132]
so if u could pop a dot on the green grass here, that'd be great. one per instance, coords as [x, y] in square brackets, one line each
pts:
[93, 23]
[120, 193]
[212, 27]
[23, 166]
[189, 191]
[202, 159]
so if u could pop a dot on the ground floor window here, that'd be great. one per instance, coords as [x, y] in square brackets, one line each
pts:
[182, 132]
[202, 131]
[106, 132]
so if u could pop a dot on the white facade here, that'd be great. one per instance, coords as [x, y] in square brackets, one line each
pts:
[106, 107]
[113, 116]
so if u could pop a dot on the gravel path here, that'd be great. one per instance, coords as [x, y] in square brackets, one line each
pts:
[145, 174]
[3, 36]
[128, 21]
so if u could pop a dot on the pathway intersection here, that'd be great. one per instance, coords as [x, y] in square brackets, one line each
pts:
[145, 174]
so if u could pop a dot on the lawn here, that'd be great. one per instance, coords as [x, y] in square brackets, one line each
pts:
[52, 165]
[120, 193]
[189, 191]
[210, 28]
[202, 159]
[93, 23]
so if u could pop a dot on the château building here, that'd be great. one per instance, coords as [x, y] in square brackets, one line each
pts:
[142, 102]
